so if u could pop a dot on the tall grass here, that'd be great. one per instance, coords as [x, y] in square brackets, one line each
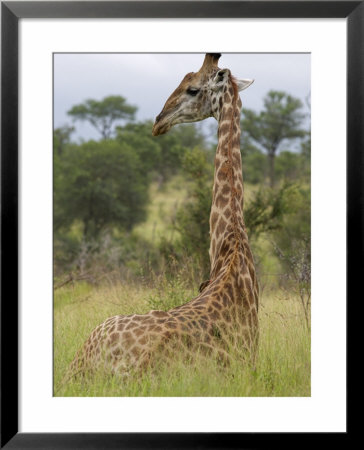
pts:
[282, 369]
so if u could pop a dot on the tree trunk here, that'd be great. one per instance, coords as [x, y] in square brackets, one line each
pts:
[271, 156]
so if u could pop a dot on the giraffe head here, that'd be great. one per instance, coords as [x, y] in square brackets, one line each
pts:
[196, 98]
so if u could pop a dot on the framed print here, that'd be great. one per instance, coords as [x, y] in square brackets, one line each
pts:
[103, 241]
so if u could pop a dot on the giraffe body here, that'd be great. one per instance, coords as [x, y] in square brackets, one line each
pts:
[225, 313]
[210, 323]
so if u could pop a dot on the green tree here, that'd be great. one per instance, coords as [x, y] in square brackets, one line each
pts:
[281, 119]
[306, 155]
[192, 219]
[103, 114]
[61, 137]
[139, 137]
[288, 165]
[100, 184]
[189, 135]
[163, 154]
[174, 145]
[254, 167]
[253, 160]
[265, 211]
[292, 243]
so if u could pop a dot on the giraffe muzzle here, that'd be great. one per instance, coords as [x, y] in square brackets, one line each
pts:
[159, 129]
[160, 126]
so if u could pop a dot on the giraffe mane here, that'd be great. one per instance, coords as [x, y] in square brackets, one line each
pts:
[235, 87]
[235, 99]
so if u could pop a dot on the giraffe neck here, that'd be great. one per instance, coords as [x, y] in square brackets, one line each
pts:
[227, 229]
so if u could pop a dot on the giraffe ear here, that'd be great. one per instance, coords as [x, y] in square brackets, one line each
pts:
[243, 84]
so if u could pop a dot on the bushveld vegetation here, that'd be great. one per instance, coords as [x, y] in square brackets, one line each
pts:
[131, 234]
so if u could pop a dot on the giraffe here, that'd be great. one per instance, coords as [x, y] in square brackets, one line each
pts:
[225, 312]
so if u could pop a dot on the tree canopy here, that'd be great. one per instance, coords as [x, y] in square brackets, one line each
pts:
[61, 137]
[281, 119]
[100, 184]
[103, 114]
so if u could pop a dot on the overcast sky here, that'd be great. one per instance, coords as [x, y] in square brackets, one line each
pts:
[146, 80]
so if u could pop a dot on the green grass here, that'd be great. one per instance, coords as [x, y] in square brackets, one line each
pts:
[162, 210]
[283, 365]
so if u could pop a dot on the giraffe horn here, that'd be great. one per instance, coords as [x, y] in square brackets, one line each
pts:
[211, 60]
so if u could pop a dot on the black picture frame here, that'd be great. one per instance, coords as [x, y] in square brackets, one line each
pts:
[11, 12]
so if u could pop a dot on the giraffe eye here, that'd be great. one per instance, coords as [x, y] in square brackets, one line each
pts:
[193, 91]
